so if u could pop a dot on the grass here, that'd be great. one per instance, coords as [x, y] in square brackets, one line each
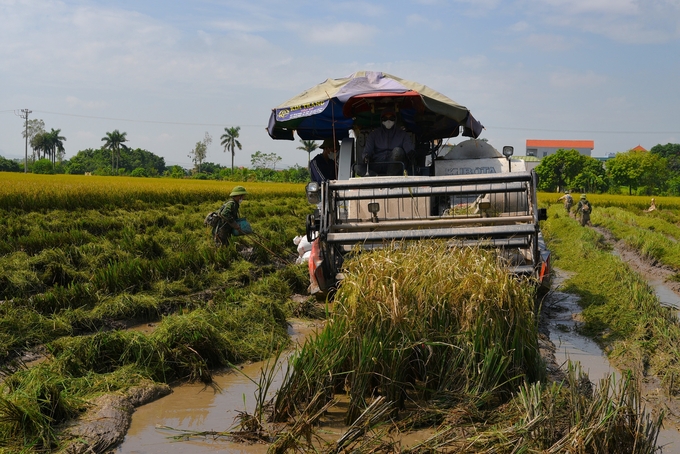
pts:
[405, 329]
[453, 347]
[80, 253]
[620, 310]
[83, 256]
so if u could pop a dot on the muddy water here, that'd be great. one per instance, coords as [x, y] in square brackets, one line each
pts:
[666, 295]
[197, 408]
[563, 320]
[569, 345]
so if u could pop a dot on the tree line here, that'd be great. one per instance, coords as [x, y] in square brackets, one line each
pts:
[639, 172]
[115, 157]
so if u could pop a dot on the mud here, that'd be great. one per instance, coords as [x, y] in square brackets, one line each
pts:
[659, 276]
[199, 408]
[104, 425]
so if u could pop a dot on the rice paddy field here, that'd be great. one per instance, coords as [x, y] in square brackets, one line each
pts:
[407, 345]
[621, 310]
[83, 258]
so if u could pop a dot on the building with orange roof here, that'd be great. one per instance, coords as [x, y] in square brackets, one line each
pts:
[543, 148]
[638, 148]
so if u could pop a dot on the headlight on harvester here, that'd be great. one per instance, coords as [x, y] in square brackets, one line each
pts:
[313, 192]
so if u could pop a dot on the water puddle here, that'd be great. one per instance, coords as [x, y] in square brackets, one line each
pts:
[563, 320]
[667, 297]
[665, 294]
[195, 407]
[569, 345]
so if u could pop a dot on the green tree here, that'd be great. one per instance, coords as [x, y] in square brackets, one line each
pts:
[670, 151]
[114, 141]
[35, 127]
[139, 172]
[200, 151]
[557, 171]
[56, 145]
[43, 166]
[638, 169]
[176, 172]
[592, 177]
[51, 144]
[40, 144]
[230, 142]
[7, 165]
[308, 146]
[261, 160]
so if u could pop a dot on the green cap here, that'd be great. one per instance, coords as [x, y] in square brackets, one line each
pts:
[238, 190]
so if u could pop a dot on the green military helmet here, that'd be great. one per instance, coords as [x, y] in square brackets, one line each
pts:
[583, 196]
[238, 190]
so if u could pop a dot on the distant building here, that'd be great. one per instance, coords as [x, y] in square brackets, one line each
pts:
[612, 155]
[542, 148]
[530, 161]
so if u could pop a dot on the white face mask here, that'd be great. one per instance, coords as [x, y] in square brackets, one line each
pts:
[332, 155]
[388, 124]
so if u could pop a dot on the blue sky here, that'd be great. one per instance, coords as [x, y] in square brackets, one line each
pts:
[167, 72]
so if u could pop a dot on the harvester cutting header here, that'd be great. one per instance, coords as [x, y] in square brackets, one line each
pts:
[468, 194]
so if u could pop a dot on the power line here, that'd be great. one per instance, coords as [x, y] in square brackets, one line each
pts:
[143, 121]
[578, 131]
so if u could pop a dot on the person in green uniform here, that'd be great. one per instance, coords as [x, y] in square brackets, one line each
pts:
[228, 214]
[584, 208]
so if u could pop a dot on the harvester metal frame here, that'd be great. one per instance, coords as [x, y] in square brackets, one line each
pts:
[497, 211]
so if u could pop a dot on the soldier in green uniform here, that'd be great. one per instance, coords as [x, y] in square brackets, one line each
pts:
[568, 201]
[228, 214]
[584, 208]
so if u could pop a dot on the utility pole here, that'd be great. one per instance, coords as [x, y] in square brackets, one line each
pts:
[24, 114]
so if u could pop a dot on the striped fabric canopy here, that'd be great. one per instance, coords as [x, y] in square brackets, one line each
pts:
[332, 108]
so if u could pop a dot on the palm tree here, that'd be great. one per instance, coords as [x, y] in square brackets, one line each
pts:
[55, 143]
[39, 143]
[114, 140]
[308, 146]
[229, 142]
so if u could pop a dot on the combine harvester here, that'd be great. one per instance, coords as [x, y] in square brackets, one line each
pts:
[468, 194]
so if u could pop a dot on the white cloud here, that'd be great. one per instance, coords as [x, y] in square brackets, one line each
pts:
[73, 101]
[569, 79]
[548, 42]
[520, 26]
[474, 61]
[626, 21]
[196, 71]
[625, 7]
[341, 33]
[416, 19]
[364, 9]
